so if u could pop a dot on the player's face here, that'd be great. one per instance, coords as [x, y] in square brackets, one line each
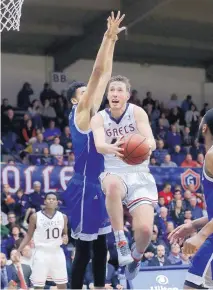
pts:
[117, 95]
[78, 94]
[51, 201]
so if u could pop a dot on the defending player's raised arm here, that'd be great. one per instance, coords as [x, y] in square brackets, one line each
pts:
[102, 70]
[97, 126]
[30, 232]
[142, 122]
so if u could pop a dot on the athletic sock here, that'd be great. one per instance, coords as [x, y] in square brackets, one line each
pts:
[137, 256]
[119, 236]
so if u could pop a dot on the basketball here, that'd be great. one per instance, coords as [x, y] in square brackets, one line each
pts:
[136, 149]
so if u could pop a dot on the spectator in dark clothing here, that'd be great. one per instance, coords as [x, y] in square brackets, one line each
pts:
[160, 259]
[187, 137]
[28, 131]
[65, 137]
[148, 100]
[196, 210]
[153, 162]
[46, 159]
[161, 130]
[14, 240]
[186, 104]
[36, 199]
[47, 93]
[7, 200]
[160, 153]
[161, 221]
[21, 203]
[177, 214]
[24, 96]
[9, 123]
[5, 106]
[174, 256]
[196, 149]
[178, 156]
[39, 146]
[173, 137]
[187, 196]
[204, 110]
[7, 274]
[174, 116]
[51, 132]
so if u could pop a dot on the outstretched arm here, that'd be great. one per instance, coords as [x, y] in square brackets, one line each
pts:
[101, 73]
[142, 122]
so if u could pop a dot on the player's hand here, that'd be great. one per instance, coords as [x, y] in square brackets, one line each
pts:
[180, 233]
[65, 239]
[113, 24]
[192, 244]
[116, 149]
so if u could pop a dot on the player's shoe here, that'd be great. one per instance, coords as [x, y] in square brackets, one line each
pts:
[124, 253]
[132, 269]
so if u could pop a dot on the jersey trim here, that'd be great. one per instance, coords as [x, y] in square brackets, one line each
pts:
[206, 176]
[76, 126]
[48, 216]
[117, 121]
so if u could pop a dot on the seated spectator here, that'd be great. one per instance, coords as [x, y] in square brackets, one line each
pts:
[177, 214]
[177, 156]
[68, 148]
[177, 196]
[21, 203]
[48, 112]
[15, 239]
[185, 259]
[200, 159]
[187, 216]
[161, 221]
[148, 100]
[196, 210]
[167, 162]
[56, 149]
[35, 112]
[175, 116]
[187, 138]
[188, 162]
[174, 256]
[192, 119]
[160, 153]
[71, 159]
[9, 123]
[23, 271]
[153, 162]
[205, 109]
[174, 102]
[196, 149]
[7, 200]
[166, 193]
[7, 274]
[28, 131]
[173, 137]
[160, 259]
[66, 137]
[161, 131]
[51, 132]
[186, 104]
[163, 121]
[47, 93]
[36, 199]
[4, 231]
[46, 159]
[39, 145]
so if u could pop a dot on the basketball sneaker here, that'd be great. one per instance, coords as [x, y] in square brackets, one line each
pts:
[132, 269]
[124, 253]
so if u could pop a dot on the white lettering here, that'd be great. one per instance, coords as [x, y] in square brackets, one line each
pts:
[46, 174]
[11, 170]
[28, 176]
[64, 177]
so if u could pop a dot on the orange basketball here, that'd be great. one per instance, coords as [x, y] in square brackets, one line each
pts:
[136, 149]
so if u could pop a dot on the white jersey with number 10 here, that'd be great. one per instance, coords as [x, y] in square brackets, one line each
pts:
[48, 232]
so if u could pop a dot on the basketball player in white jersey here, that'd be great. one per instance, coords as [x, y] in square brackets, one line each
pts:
[47, 227]
[132, 185]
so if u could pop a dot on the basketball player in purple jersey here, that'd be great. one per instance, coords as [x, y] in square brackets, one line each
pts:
[200, 274]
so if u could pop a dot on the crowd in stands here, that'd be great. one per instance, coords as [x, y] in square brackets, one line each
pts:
[42, 137]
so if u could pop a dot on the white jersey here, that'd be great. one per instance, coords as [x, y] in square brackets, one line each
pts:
[115, 128]
[48, 232]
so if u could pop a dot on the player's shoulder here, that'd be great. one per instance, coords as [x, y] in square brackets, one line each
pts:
[33, 217]
[138, 111]
[209, 161]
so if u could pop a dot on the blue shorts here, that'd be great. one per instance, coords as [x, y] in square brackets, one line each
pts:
[201, 270]
[85, 202]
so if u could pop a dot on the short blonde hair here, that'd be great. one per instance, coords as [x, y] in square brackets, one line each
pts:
[122, 79]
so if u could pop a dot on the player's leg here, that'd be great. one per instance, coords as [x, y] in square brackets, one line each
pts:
[40, 267]
[99, 261]
[199, 275]
[58, 269]
[115, 191]
[82, 257]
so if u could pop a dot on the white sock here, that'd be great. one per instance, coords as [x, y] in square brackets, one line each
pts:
[136, 255]
[119, 236]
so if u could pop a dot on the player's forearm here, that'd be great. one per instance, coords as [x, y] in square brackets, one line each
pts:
[24, 242]
[102, 147]
[199, 223]
[207, 230]
[102, 56]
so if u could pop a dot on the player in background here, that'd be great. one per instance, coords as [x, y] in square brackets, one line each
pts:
[200, 273]
[83, 196]
[131, 184]
[47, 228]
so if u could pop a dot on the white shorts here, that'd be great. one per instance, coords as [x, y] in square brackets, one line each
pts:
[48, 264]
[140, 188]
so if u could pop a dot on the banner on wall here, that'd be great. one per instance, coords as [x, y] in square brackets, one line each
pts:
[59, 82]
[55, 178]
